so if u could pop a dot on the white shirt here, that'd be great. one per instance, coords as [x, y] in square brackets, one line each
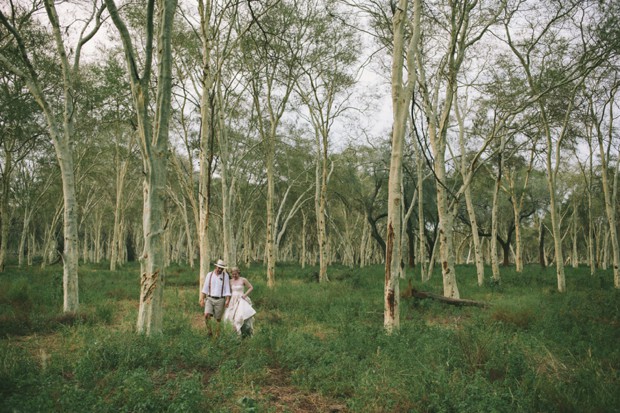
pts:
[217, 285]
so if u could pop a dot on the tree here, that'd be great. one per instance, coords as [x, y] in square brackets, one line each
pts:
[551, 76]
[20, 132]
[271, 58]
[153, 131]
[325, 90]
[60, 120]
[402, 92]
[466, 23]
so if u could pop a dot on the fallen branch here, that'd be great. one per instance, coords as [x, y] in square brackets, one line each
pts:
[448, 300]
[412, 292]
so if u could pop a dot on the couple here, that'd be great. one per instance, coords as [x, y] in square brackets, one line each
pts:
[225, 296]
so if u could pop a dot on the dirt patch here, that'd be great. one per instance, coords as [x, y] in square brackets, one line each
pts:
[279, 394]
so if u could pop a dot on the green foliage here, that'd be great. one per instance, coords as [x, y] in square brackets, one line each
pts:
[320, 345]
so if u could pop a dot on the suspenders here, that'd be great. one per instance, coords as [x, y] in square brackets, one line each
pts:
[223, 281]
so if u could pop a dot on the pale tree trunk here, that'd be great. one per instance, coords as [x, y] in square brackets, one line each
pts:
[403, 233]
[227, 181]
[49, 237]
[247, 242]
[469, 203]
[575, 74]
[154, 146]
[121, 173]
[517, 207]
[31, 206]
[275, 106]
[609, 197]
[494, 212]
[207, 136]
[431, 262]
[71, 249]
[555, 219]
[270, 242]
[23, 238]
[61, 132]
[605, 248]
[31, 247]
[363, 248]
[186, 228]
[438, 117]
[302, 255]
[98, 253]
[575, 254]
[590, 235]
[422, 254]
[402, 91]
[320, 199]
[5, 219]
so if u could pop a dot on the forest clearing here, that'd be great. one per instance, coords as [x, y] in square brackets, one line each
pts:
[424, 194]
[317, 347]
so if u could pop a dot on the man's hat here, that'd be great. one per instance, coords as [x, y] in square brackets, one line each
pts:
[220, 263]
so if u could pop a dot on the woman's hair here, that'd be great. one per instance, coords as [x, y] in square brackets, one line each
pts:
[233, 269]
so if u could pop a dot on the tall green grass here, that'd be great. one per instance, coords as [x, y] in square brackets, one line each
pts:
[317, 347]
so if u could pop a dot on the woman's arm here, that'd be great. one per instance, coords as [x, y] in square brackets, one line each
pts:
[248, 286]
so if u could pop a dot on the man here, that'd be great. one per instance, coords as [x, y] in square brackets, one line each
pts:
[215, 295]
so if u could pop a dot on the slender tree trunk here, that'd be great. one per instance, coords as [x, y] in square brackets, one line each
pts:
[494, 213]
[541, 244]
[575, 254]
[302, 256]
[610, 208]
[270, 242]
[71, 248]
[423, 254]
[469, 203]
[401, 99]
[5, 219]
[121, 172]
[320, 204]
[23, 238]
[154, 145]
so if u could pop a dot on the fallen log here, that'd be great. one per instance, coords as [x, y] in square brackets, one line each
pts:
[447, 300]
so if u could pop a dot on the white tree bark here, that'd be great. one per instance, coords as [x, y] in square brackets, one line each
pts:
[402, 91]
[154, 145]
[609, 195]
[61, 129]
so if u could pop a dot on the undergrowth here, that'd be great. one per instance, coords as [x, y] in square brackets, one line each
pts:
[317, 347]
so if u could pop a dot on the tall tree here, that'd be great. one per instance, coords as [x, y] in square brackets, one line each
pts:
[60, 120]
[402, 91]
[551, 76]
[153, 130]
[605, 133]
[271, 58]
[465, 23]
[20, 132]
[325, 90]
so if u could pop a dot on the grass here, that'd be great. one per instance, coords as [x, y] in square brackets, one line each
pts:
[317, 347]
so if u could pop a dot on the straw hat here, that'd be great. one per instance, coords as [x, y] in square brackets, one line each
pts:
[220, 263]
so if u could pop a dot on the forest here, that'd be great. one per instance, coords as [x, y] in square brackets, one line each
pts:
[452, 165]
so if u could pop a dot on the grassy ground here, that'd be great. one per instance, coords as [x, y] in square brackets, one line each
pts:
[317, 347]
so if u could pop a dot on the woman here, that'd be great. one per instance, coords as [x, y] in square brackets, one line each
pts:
[240, 312]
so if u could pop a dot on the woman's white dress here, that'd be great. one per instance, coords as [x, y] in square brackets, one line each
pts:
[240, 310]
